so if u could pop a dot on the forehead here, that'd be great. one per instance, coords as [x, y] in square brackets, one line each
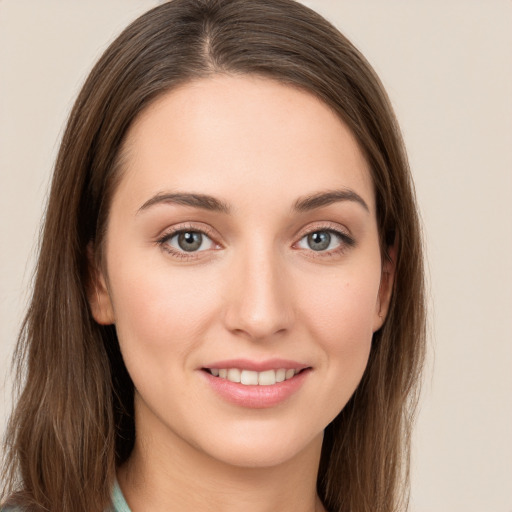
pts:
[238, 136]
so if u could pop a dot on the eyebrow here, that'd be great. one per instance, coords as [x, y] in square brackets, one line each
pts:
[321, 199]
[202, 201]
[211, 203]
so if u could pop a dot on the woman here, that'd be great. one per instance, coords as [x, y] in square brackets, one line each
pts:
[228, 306]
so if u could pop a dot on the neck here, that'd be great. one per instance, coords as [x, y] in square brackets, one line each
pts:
[165, 473]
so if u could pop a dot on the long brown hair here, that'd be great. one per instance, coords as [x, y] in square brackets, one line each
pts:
[73, 423]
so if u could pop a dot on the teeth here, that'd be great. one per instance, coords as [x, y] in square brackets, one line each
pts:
[251, 378]
[234, 375]
[267, 378]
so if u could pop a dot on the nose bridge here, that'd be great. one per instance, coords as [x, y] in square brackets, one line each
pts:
[259, 304]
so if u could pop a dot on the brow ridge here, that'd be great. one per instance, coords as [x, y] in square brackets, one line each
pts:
[210, 203]
[202, 201]
[326, 198]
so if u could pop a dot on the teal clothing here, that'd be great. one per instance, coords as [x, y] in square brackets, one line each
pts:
[118, 502]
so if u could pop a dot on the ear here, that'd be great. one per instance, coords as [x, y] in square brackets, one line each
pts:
[386, 287]
[97, 291]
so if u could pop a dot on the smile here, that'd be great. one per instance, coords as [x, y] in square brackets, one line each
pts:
[256, 384]
[254, 378]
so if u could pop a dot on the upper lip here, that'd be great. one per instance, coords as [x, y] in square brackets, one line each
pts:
[258, 366]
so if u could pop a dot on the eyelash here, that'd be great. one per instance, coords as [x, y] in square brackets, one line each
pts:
[346, 241]
[168, 235]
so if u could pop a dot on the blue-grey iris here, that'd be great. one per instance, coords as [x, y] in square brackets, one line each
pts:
[190, 240]
[319, 240]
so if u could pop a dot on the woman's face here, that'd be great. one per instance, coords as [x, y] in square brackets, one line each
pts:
[242, 244]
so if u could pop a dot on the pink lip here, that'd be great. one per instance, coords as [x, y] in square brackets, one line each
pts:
[258, 366]
[256, 397]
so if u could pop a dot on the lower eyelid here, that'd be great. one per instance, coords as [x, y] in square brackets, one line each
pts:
[207, 240]
[345, 241]
[343, 238]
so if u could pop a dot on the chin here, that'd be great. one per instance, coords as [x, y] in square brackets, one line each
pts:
[264, 449]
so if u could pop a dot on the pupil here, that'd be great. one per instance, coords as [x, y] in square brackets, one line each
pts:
[319, 241]
[190, 241]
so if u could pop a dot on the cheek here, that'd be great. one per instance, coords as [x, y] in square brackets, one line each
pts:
[344, 304]
[159, 313]
[340, 319]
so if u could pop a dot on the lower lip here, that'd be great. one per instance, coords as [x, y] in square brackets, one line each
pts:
[256, 397]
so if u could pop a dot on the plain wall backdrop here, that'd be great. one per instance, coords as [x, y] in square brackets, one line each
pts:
[447, 66]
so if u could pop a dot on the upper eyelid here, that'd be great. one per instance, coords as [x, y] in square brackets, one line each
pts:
[208, 231]
[324, 226]
[343, 237]
[164, 242]
[183, 227]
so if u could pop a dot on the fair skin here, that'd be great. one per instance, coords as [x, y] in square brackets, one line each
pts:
[281, 269]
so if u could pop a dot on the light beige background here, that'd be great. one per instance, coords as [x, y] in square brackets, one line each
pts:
[447, 66]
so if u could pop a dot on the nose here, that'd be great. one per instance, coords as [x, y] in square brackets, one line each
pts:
[259, 305]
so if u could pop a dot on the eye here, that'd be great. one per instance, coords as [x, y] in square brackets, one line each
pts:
[324, 240]
[189, 241]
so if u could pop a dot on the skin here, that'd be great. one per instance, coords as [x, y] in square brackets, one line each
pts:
[257, 290]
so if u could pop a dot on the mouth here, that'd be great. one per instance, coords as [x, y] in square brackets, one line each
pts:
[255, 378]
[256, 384]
